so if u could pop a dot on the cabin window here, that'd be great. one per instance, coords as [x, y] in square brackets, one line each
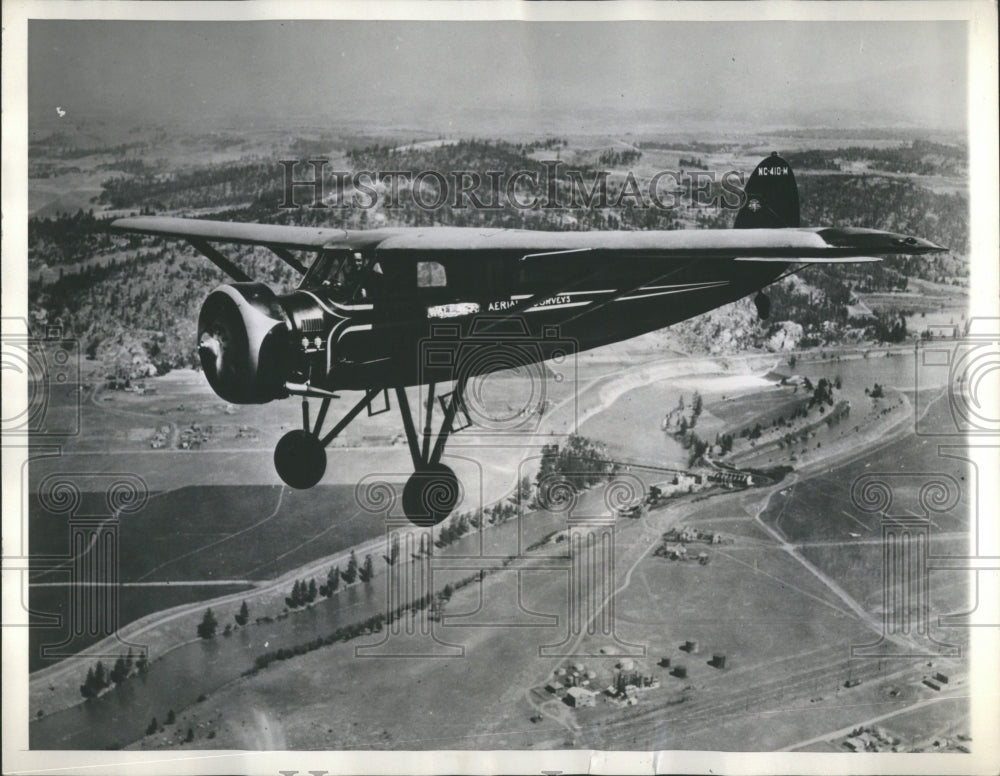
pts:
[430, 274]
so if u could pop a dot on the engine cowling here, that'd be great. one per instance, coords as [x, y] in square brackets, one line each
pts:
[243, 343]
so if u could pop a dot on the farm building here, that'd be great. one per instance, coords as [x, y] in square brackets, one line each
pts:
[580, 697]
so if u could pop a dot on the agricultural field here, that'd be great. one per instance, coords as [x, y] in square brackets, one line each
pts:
[786, 637]
[739, 412]
[133, 603]
[823, 509]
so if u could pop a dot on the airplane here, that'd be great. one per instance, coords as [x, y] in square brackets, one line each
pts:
[371, 300]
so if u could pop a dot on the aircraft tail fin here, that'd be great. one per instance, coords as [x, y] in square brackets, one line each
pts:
[772, 198]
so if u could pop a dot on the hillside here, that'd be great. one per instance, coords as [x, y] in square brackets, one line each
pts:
[133, 301]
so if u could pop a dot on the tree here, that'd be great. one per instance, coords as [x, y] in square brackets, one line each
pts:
[297, 598]
[119, 673]
[87, 689]
[152, 726]
[207, 626]
[243, 616]
[190, 736]
[352, 569]
[523, 494]
[367, 570]
[171, 717]
[332, 582]
[100, 677]
[311, 595]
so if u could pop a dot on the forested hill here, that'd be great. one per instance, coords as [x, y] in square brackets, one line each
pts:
[133, 301]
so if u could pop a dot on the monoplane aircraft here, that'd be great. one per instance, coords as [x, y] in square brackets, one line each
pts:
[370, 302]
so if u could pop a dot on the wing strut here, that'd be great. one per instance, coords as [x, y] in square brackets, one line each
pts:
[220, 261]
[227, 266]
[288, 258]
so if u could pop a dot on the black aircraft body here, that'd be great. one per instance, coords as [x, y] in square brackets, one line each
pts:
[370, 301]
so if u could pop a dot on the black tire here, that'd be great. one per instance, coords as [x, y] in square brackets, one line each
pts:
[300, 459]
[430, 495]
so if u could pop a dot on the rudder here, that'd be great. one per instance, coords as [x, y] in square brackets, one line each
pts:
[772, 197]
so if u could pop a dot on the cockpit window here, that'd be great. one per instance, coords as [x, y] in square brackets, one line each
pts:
[349, 275]
[430, 274]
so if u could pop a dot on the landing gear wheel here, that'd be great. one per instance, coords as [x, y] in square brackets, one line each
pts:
[430, 494]
[300, 459]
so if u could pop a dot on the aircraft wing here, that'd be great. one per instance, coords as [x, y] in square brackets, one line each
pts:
[302, 238]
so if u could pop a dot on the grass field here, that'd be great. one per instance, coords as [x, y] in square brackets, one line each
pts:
[787, 638]
[858, 569]
[740, 412]
[133, 603]
[224, 532]
[822, 508]
[203, 534]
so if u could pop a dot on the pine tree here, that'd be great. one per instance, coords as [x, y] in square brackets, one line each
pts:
[311, 596]
[243, 617]
[207, 626]
[333, 580]
[368, 569]
[119, 672]
[87, 688]
[352, 569]
[100, 678]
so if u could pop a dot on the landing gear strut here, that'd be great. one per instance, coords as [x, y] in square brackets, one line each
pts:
[300, 457]
[430, 493]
